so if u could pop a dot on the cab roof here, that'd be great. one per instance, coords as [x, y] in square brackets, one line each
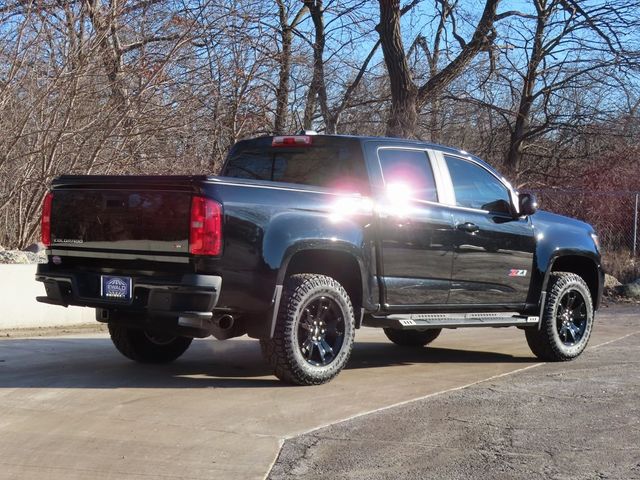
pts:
[266, 142]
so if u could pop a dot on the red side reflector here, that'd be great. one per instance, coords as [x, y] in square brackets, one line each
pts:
[45, 226]
[292, 141]
[206, 227]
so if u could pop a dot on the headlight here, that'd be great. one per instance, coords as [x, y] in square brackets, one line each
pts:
[596, 240]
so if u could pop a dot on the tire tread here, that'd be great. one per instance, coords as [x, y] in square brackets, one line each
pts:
[278, 352]
[542, 341]
[133, 344]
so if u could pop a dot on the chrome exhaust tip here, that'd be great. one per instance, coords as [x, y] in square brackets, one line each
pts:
[224, 322]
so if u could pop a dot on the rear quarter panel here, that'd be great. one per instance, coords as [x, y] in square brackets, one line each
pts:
[265, 226]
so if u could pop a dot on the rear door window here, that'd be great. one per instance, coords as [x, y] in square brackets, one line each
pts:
[409, 170]
[339, 166]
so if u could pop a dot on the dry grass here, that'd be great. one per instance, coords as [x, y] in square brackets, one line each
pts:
[87, 328]
[622, 265]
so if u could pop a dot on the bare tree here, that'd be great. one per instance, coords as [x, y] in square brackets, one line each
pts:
[286, 38]
[349, 74]
[150, 86]
[406, 96]
[568, 45]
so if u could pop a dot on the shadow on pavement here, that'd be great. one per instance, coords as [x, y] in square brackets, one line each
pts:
[371, 355]
[94, 363]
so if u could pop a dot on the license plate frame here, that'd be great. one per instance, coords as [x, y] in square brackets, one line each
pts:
[116, 288]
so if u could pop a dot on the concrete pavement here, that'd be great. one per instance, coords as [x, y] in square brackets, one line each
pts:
[72, 407]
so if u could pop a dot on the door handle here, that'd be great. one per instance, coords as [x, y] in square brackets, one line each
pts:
[468, 227]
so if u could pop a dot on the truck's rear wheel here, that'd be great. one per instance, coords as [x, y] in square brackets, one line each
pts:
[314, 331]
[567, 320]
[147, 347]
[412, 338]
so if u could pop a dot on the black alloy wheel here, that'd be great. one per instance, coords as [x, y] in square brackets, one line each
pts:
[314, 331]
[321, 331]
[567, 319]
[571, 318]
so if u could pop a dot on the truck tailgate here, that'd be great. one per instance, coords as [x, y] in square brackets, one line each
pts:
[148, 215]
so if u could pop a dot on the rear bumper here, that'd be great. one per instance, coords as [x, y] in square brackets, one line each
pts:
[151, 297]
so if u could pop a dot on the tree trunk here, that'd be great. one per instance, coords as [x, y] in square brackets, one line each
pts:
[521, 127]
[514, 154]
[406, 97]
[403, 116]
[434, 121]
[318, 86]
[310, 106]
[110, 50]
[282, 92]
[482, 39]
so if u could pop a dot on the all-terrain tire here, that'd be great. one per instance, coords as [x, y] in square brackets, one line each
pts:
[547, 343]
[412, 338]
[284, 353]
[146, 347]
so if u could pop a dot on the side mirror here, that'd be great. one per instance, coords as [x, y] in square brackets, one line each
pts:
[528, 204]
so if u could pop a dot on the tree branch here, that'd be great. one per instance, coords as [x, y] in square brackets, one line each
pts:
[146, 41]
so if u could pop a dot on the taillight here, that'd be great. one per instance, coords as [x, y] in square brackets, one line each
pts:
[45, 226]
[292, 141]
[206, 227]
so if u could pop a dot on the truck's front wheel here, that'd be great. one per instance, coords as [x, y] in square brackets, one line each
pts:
[147, 347]
[567, 319]
[314, 331]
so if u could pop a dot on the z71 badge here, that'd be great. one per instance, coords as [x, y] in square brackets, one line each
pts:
[514, 272]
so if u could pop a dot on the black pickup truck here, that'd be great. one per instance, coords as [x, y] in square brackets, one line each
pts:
[305, 238]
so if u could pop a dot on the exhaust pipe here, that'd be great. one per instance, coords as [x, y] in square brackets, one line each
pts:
[224, 322]
[222, 327]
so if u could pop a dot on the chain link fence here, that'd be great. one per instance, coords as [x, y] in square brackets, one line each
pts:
[615, 216]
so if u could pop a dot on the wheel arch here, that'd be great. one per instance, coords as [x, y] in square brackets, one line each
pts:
[342, 265]
[582, 265]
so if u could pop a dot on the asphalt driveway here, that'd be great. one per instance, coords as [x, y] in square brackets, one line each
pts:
[579, 420]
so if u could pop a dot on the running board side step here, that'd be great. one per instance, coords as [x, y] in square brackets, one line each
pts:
[450, 320]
